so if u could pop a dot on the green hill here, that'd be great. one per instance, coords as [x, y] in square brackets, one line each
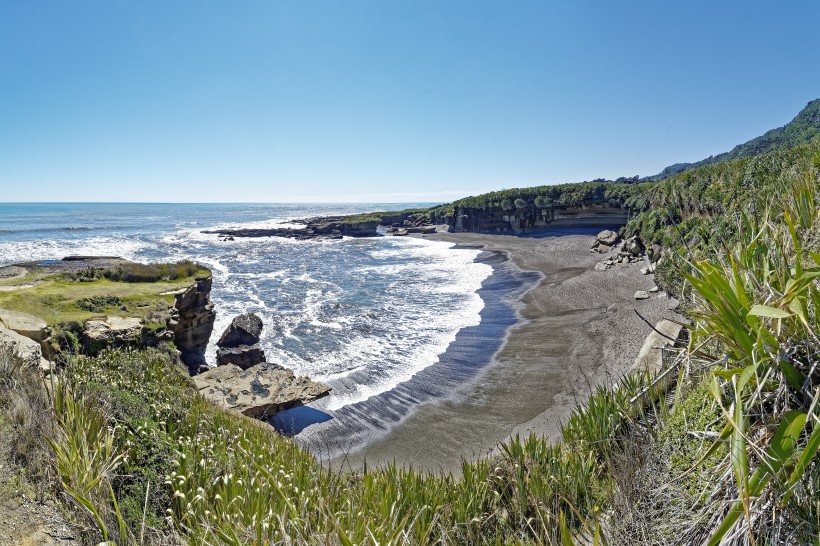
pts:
[803, 129]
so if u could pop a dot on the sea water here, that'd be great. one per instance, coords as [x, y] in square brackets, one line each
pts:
[363, 315]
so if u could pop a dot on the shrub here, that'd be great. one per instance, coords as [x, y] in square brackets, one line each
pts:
[97, 304]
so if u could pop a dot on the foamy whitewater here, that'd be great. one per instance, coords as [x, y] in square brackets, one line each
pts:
[363, 315]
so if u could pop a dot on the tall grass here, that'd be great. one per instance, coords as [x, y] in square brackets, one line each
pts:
[758, 305]
[85, 458]
[232, 480]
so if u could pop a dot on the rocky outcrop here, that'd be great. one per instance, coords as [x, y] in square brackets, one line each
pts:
[605, 241]
[331, 227]
[24, 324]
[12, 272]
[260, 391]
[239, 343]
[243, 356]
[192, 321]
[244, 330]
[496, 219]
[628, 251]
[301, 234]
[112, 332]
[26, 348]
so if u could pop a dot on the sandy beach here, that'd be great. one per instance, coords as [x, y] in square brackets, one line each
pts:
[577, 329]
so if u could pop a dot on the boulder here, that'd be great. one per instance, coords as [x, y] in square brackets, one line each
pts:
[655, 252]
[650, 357]
[112, 332]
[634, 246]
[260, 391]
[607, 237]
[600, 247]
[243, 356]
[641, 295]
[24, 324]
[244, 330]
[24, 347]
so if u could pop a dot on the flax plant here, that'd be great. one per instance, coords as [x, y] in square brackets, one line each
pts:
[85, 457]
[759, 304]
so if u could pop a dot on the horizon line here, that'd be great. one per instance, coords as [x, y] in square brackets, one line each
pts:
[221, 202]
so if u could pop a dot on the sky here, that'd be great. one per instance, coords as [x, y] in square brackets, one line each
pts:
[389, 101]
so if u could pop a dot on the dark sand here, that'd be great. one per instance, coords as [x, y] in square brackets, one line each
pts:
[577, 330]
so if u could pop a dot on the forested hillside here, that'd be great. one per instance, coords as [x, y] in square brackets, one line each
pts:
[803, 129]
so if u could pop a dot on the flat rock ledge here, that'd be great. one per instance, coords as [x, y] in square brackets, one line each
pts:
[329, 227]
[112, 332]
[24, 324]
[259, 391]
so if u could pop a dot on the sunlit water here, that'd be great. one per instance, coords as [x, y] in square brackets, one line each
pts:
[363, 315]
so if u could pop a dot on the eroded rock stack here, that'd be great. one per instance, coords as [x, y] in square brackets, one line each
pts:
[192, 321]
[239, 344]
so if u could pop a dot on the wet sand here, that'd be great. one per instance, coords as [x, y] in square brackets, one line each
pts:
[576, 329]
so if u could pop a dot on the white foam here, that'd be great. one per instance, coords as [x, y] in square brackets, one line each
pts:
[55, 249]
[404, 348]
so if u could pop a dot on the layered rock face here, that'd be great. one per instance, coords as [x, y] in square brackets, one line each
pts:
[496, 219]
[239, 344]
[112, 332]
[192, 321]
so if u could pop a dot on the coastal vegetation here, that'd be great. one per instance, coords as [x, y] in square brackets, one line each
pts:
[803, 129]
[720, 449]
[729, 454]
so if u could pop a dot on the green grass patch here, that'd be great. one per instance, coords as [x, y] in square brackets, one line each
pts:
[57, 299]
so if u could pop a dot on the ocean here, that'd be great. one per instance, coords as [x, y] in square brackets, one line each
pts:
[363, 315]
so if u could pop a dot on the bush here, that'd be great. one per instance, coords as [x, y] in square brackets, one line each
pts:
[97, 304]
[137, 272]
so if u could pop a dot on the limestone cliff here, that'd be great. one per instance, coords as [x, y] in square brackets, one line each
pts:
[499, 220]
[192, 321]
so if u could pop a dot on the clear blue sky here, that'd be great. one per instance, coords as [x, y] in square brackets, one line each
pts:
[142, 100]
